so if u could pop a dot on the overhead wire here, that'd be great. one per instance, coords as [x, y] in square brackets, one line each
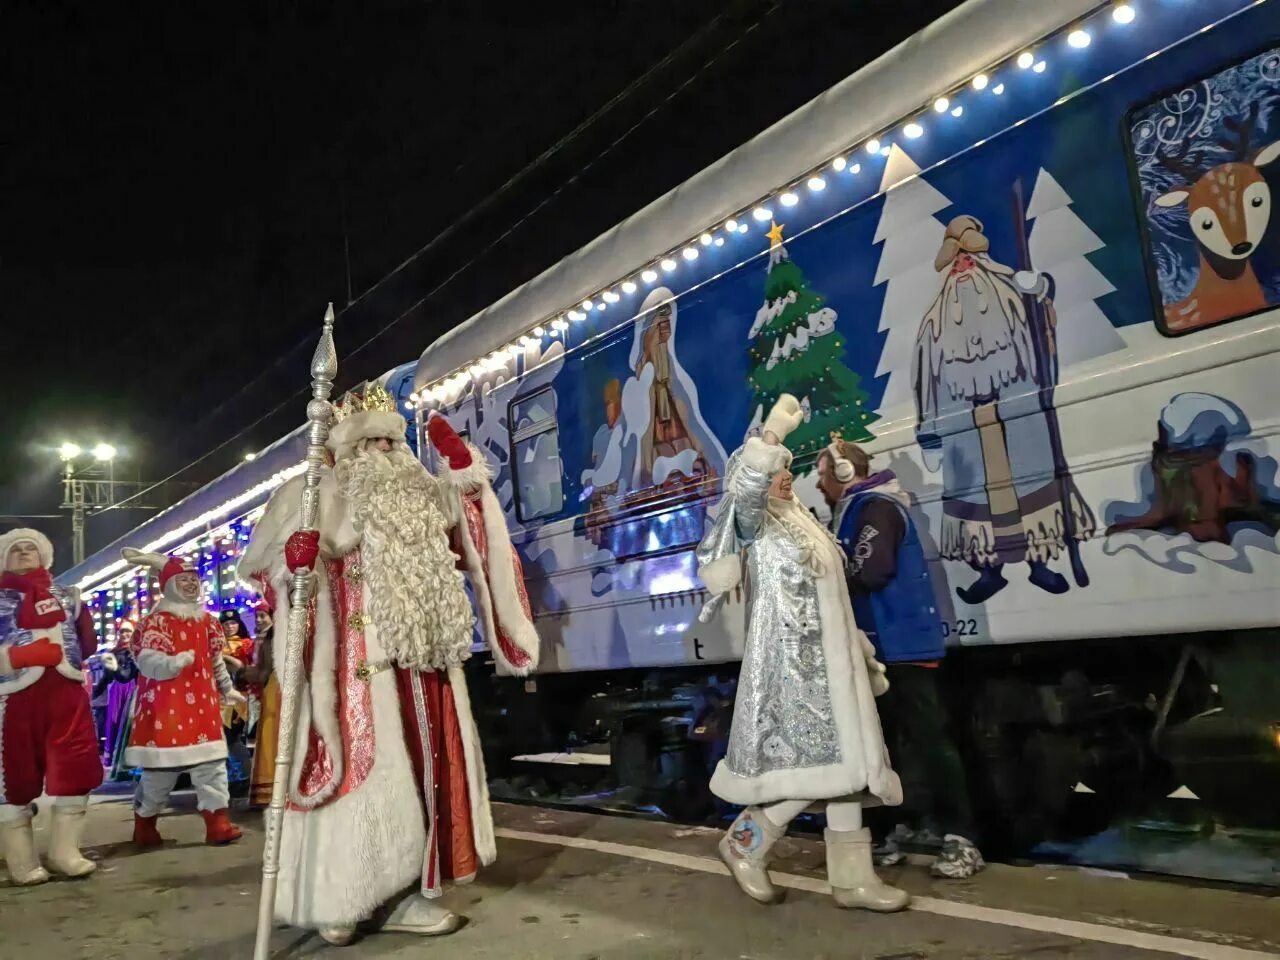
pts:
[539, 160]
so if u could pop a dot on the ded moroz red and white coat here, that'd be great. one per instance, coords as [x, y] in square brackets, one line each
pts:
[479, 536]
[178, 722]
[388, 787]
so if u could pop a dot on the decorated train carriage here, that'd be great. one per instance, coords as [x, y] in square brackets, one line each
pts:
[1027, 259]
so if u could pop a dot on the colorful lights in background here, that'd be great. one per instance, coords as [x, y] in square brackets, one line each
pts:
[131, 595]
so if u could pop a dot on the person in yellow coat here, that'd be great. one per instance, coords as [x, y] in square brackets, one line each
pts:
[261, 676]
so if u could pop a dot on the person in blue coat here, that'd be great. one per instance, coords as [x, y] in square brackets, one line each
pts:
[895, 605]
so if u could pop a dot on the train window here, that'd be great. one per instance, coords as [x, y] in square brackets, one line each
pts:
[533, 410]
[535, 445]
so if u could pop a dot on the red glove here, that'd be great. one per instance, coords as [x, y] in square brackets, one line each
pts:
[301, 550]
[42, 653]
[448, 443]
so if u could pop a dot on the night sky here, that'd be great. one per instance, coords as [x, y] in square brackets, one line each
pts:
[187, 185]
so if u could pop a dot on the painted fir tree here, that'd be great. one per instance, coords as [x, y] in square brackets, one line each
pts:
[794, 348]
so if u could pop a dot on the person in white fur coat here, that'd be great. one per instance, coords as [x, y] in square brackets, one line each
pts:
[388, 797]
[805, 726]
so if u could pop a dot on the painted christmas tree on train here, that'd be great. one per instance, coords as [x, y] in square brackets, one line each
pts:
[795, 348]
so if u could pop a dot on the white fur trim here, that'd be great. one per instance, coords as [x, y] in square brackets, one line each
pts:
[369, 425]
[722, 575]
[468, 478]
[496, 596]
[316, 698]
[768, 458]
[343, 860]
[21, 535]
[482, 831]
[318, 701]
[157, 758]
[864, 766]
[183, 609]
[264, 554]
[504, 591]
[283, 517]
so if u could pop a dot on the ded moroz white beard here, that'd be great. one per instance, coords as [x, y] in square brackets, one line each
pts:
[415, 592]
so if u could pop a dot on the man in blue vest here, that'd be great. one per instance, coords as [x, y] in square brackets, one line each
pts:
[894, 603]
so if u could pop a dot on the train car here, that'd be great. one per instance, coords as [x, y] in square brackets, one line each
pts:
[1024, 259]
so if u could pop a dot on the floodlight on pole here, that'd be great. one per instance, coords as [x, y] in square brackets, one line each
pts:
[69, 450]
[104, 452]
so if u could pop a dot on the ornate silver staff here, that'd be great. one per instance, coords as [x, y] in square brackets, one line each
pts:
[324, 367]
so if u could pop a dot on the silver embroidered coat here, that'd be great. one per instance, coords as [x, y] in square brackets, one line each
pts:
[805, 725]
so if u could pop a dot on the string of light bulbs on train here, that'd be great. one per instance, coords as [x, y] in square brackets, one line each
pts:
[1076, 37]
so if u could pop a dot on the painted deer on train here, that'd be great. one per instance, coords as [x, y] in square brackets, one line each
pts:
[1228, 207]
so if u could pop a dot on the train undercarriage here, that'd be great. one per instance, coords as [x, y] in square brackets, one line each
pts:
[1155, 753]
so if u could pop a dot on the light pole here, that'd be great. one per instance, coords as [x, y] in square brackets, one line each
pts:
[89, 483]
[74, 486]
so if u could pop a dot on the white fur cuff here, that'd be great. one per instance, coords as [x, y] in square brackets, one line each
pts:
[468, 478]
[722, 575]
[768, 458]
[879, 680]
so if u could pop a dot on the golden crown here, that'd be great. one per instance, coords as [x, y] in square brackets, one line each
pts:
[374, 398]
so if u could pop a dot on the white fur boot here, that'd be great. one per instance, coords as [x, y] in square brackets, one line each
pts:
[745, 851]
[18, 841]
[64, 843]
[337, 936]
[853, 879]
[416, 914]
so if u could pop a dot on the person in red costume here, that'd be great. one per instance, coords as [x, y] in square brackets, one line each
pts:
[387, 799]
[479, 537]
[47, 738]
[177, 716]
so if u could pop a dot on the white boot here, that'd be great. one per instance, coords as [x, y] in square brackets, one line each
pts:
[337, 936]
[853, 880]
[745, 851]
[64, 842]
[19, 844]
[417, 914]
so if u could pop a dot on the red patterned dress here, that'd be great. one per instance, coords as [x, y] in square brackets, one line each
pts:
[178, 722]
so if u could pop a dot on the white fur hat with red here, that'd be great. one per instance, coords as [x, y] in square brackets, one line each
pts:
[366, 416]
[12, 538]
[166, 567]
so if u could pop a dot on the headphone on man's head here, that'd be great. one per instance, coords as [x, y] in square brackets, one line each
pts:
[842, 468]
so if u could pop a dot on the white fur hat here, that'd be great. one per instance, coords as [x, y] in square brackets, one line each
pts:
[366, 425]
[26, 535]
